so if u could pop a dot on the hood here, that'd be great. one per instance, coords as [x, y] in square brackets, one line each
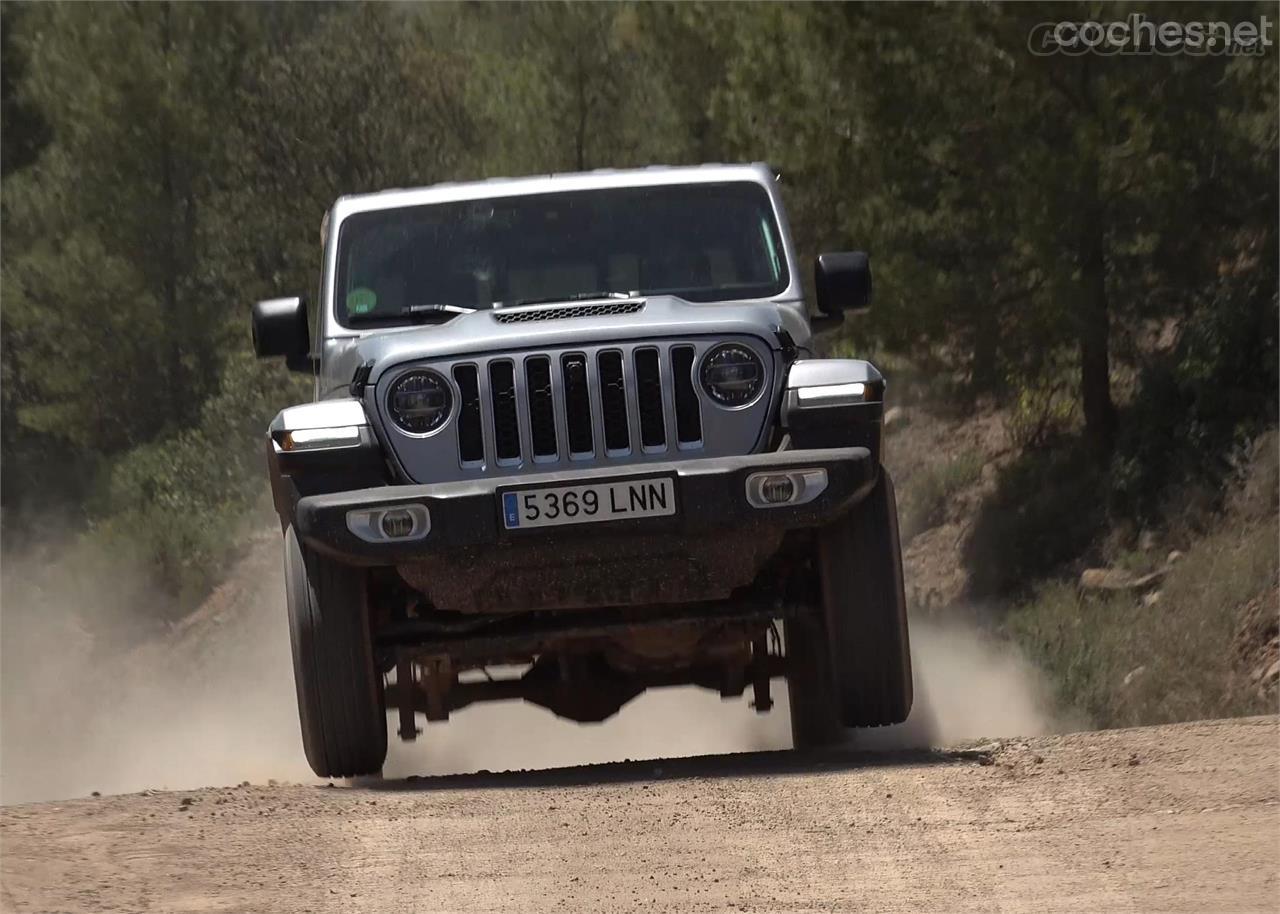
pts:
[539, 326]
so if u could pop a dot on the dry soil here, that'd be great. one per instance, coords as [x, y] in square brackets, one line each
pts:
[1176, 818]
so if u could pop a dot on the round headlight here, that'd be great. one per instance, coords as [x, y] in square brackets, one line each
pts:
[419, 402]
[732, 375]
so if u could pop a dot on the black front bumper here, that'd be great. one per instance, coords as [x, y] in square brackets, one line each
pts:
[710, 495]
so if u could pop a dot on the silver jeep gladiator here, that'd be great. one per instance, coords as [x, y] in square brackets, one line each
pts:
[569, 442]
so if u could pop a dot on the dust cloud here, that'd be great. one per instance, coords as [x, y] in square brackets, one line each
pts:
[968, 686]
[96, 696]
[93, 698]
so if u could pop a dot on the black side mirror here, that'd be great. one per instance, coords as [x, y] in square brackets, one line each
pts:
[280, 329]
[843, 282]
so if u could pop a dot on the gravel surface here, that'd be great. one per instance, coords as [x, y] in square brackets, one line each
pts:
[1177, 818]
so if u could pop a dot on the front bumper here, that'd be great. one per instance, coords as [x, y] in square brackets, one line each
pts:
[710, 495]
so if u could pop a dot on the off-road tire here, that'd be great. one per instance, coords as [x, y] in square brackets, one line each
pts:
[858, 649]
[815, 717]
[341, 706]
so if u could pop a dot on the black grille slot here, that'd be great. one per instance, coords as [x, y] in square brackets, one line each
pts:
[470, 434]
[613, 402]
[649, 396]
[542, 421]
[577, 403]
[688, 417]
[506, 425]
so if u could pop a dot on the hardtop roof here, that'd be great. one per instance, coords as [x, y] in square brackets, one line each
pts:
[654, 175]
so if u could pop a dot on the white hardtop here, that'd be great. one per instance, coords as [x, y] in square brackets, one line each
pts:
[652, 176]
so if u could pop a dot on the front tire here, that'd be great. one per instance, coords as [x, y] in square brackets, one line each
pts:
[341, 707]
[851, 667]
[815, 716]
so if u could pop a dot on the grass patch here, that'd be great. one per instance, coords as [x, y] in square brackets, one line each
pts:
[1178, 654]
[924, 499]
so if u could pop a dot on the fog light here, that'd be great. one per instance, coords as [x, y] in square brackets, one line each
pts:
[397, 524]
[796, 487]
[379, 525]
[777, 490]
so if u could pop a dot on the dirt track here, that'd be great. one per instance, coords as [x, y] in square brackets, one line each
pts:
[1182, 818]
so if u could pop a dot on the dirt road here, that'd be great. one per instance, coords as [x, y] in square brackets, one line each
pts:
[1181, 818]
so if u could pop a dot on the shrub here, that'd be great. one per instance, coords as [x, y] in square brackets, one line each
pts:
[185, 501]
[1043, 407]
[1047, 509]
[924, 497]
[1177, 655]
[1198, 406]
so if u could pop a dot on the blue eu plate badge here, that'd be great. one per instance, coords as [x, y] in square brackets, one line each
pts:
[510, 510]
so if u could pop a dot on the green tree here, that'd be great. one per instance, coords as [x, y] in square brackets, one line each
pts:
[106, 280]
[364, 98]
[570, 87]
[1018, 206]
[24, 133]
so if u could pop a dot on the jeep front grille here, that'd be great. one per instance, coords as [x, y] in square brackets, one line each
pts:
[584, 406]
[611, 400]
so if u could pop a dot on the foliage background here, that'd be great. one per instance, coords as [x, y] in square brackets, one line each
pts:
[1088, 241]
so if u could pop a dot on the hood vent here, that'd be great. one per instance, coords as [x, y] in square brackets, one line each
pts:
[564, 312]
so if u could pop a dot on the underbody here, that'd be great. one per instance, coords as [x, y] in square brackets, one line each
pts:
[595, 614]
[596, 617]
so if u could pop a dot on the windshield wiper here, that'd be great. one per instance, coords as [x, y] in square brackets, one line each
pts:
[418, 314]
[575, 296]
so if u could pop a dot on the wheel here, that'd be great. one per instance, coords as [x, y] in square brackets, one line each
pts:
[815, 716]
[340, 699]
[866, 611]
[851, 666]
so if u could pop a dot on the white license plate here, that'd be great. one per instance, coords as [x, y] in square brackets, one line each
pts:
[585, 504]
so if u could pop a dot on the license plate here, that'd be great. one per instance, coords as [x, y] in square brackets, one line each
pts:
[585, 504]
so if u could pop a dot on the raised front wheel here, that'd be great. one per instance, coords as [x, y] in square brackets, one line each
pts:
[851, 665]
[340, 696]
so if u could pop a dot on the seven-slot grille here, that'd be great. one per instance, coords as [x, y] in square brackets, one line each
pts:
[548, 407]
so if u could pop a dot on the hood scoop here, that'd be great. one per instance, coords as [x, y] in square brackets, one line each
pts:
[565, 312]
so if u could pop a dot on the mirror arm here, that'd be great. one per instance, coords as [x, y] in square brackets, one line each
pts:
[303, 362]
[820, 323]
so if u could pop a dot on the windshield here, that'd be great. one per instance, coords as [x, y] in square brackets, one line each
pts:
[701, 242]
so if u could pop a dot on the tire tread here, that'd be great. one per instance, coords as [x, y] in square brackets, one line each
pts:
[340, 700]
[865, 608]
